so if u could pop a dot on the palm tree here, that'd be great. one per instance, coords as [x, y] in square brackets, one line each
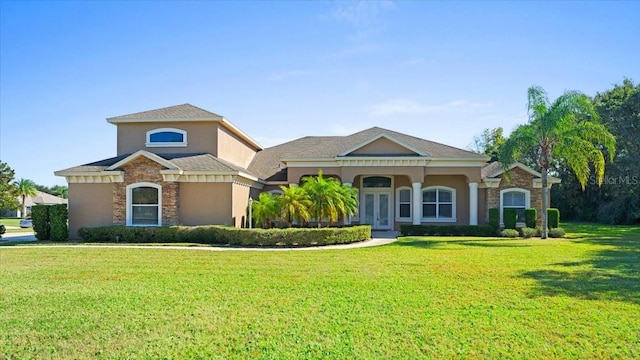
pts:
[295, 204]
[266, 209]
[26, 188]
[567, 128]
[329, 198]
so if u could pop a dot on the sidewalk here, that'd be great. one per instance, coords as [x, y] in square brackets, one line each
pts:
[15, 237]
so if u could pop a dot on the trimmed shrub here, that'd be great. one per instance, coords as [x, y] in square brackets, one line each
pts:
[530, 217]
[527, 232]
[58, 216]
[510, 233]
[3, 230]
[494, 218]
[221, 235]
[553, 217]
[40, 220]
[556, 232]
[447, 230]
[510, 218]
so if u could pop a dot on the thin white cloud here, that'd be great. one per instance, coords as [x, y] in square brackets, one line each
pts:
[360, 14]
[412, 107]
[287, 74]
[363, 49]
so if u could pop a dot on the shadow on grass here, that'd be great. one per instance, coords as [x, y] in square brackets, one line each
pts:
[613, 273]
[435, 241]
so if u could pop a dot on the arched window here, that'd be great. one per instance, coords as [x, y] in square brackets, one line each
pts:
[166, 137]
[514, 198]
[439, 204]
[403, 203]
[144, 204]
[376, 182]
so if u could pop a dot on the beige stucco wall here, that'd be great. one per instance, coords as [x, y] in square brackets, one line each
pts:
[233, 149]
[240, 202]
[206, 203]
[89, 205]
[349, 173]
[201, 137]
[383, 146]
[472, 173]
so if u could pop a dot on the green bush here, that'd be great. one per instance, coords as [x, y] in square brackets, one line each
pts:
[58, 217]
[40, 220]
[447, 230]
[3, 229]
[221, 235]
[530, 217]
[510, 218]
[510, 233]
[553, 218]
[494, 218]
[556, 232]
[527, 232]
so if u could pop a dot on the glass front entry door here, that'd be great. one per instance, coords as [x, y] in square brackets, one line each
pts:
[377, 210]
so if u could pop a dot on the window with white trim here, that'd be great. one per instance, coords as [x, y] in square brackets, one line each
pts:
[144, 204]
[166, 137]
[518, 199]
[439, 203]
[403, 203]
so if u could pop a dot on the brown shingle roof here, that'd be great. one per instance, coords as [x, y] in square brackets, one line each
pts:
[490, 168]
[268, 161]
[184, 111]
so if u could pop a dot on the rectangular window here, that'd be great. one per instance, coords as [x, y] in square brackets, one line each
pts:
[404, 203]
[515, 200]
[438, 204]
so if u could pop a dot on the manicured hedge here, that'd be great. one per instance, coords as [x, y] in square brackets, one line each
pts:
[494, 218]
[40, 221]
[58, 219]
[553, 218]
[510, 217]
[530, 217]
[222, 235]
[448, 230]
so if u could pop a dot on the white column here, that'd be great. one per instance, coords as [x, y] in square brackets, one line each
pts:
[417, 202]
[347, 219]
[473, 203]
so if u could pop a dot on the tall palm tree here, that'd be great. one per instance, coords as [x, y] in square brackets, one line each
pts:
[26, 188]
[567, 128]
[329, 198]
[266, 209]
[295, 204]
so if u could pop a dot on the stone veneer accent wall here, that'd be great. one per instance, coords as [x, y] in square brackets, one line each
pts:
[143, 169]
[518, 178]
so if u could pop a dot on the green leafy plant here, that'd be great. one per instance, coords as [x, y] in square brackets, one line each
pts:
[554, 218]
[510, 217]
[527, 232]
[58, 221]
[556, 232]
[509, 233]
[494, 218]
[530, 217]
[448, 230]
[40, 220]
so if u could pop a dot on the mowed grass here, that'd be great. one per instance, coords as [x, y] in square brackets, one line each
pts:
[425, 297]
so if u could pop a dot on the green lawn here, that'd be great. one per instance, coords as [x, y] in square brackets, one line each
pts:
[575, 298]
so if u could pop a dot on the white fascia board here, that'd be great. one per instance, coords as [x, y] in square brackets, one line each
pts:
[148, 155]
[116, 121]
[521, 166]
[408, 147]
[434, 162]
[226, 123]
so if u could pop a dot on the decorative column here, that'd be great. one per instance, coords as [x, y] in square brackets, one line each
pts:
[473, 203]
[347, 219]
[416, 202]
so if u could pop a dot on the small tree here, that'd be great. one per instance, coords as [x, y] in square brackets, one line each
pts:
[295, 204]
[8, 190]
[266, 210]
[26, 188]
[530, 217]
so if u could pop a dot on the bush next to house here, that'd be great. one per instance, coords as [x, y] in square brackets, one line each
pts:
[527, 232]
[494, 218]
[448, 230]
[58, 216]
[553, 218]
[556, 232]
[530, 217]
[221, 235]
[510, 218]
[510, 233]
[40, 221]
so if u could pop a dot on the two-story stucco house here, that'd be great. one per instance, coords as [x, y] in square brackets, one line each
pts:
[185, 165]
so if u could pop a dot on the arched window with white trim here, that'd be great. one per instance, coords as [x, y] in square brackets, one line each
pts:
[403, 204]
[439, 204]
[144, 204]
[514, 198]
[166, 137]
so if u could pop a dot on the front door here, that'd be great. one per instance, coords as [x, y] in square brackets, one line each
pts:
[377, 209]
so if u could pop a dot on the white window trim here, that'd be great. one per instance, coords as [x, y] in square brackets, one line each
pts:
[527, 203]
[166, 144]
[453, 217]
[129, 210]
[404, 219]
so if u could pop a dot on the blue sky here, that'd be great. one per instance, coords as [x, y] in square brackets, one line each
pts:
[443, 71]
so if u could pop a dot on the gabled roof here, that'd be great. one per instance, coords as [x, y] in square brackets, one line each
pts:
[387, 137]
[184, 112]
[495, 169]
[44, 198]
